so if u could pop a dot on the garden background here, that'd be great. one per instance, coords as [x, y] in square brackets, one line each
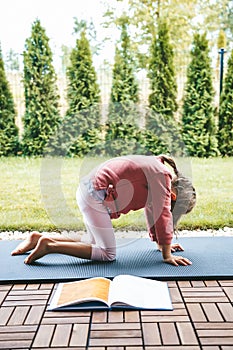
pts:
[167, 90]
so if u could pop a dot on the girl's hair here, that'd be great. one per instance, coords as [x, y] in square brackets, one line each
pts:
[185, 192]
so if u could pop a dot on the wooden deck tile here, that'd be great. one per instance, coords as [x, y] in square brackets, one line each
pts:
[43, 336]
[19, 315]
[79, 336]
[15, 344]
[227, 311]
[57, 317]
[204, 295]
[5, 287]
[35, 314]
[179, 314]
[115, 334]
[59, 348]
[213, 325]
[33, 286]
[196, 284]
[186, 333]
[168, 347]
[175, 295]
[226, 283]
[183, 284]
[212, 312]
[115, 316]
[215, 334]
[99, 317]
[3, 294]
[196, 312]
[169, 334]
[132, 316]
[117, 341]
[123, 333]
[229, 292]
[114, 326]
[210, 283]
[19, 286]
[151, 334]
[13, 337]
[202, 319]
[217, 341]
[5, 314]
[61, 335]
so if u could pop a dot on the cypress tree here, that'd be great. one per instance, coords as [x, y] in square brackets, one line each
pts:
[9, 142]
[162, 98]
[123, 117]
[225, 125]
[160, 119]
[198, 119]
[82, 121]
[41, 117]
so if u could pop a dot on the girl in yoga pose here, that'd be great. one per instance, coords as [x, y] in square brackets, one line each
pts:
[114, 188]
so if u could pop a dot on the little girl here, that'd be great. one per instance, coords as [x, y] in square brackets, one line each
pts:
[114, 188]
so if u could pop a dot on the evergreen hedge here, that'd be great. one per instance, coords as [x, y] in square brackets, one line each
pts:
[122, 130]
[81, 133]
[160, 119]
[9, 141]
[41, 117]
[225, 125]
[82, 121]
[198, 115]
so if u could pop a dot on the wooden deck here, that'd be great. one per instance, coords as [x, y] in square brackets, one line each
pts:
[202, 319]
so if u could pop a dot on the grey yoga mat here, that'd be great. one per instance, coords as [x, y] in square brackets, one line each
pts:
[212, 258]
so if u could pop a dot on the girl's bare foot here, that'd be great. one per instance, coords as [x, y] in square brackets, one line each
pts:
[28, 244]
[42, 248]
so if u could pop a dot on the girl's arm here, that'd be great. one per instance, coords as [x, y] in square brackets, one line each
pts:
[168, 258]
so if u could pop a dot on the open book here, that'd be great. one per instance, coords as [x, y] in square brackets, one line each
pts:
[123, 292]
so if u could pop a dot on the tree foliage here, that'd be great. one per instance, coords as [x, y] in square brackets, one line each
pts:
[9, 142]
[12, 61]
[183, 17]
[143, 16]
[162, 98]
[41, 117]
[198, 119]
[82, 119]
[225, 125]
[123, 116]
[160, 118]
[216, 15]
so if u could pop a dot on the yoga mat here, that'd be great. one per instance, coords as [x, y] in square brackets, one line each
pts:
[212, 258]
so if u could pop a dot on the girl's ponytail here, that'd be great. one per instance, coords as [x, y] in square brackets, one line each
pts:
[170, 161]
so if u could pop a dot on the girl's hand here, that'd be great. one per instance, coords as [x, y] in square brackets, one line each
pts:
[173, 259]
[177, 260]
[176, 247]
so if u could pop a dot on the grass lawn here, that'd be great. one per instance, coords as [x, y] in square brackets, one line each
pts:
[40, 194]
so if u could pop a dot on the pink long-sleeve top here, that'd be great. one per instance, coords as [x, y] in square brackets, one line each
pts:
[135, 182]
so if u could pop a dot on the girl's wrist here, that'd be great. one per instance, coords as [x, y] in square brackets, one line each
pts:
[166, 251]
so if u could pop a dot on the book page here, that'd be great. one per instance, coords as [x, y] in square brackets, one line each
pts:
[81, 291]
[140, 292]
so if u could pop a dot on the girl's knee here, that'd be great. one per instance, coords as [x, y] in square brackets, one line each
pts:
[103, 254]
[108, 255]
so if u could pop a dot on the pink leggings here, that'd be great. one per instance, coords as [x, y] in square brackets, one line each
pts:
[98, 224]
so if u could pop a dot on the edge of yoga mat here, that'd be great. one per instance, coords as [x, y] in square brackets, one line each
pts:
[212, 258]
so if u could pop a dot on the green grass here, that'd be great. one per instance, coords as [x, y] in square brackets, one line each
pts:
[40, 194]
